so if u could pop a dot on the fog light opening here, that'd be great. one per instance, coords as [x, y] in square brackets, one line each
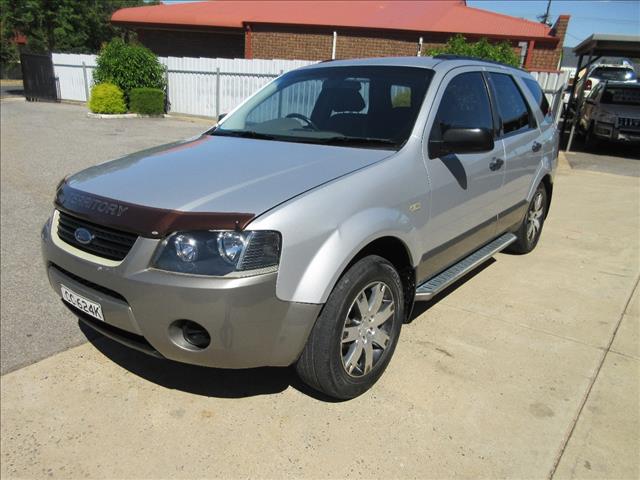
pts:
[195, 334]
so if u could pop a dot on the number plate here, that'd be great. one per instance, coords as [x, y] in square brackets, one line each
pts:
[87, 306]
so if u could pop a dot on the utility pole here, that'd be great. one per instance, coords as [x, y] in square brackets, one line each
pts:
[545, 18]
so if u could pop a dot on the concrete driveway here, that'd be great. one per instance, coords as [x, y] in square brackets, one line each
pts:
[528, 369]
[41, 143]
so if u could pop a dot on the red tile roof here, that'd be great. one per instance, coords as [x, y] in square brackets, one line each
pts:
[449, 16]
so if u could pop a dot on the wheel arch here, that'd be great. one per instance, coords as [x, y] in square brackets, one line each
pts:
[396, 252]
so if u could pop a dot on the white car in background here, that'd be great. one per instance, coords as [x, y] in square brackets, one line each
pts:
[602, 72]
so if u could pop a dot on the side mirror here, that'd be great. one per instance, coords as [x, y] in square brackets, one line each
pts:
[221, 116]
[462, 140]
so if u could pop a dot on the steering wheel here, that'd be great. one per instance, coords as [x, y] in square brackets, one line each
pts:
[305, 119]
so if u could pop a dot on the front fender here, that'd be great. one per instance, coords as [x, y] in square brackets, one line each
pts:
[315, 282]
[325, 228]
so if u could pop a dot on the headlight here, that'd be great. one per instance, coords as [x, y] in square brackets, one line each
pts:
[218, 253]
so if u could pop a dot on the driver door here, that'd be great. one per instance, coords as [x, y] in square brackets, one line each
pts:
[464, 187]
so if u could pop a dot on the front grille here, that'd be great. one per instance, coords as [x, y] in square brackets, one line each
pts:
[87, 283]
[633, 123]
[106, 243]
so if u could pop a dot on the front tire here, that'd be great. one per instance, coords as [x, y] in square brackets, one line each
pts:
[529, 231]
[356, 333]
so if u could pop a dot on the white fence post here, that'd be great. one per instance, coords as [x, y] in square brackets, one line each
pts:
[218, 93]
[85, 81]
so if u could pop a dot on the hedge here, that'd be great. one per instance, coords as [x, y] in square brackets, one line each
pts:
[128, 66]
[148, 101]
[107, 98]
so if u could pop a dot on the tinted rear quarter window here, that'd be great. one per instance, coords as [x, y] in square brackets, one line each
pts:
[538, 95]
[512, 106]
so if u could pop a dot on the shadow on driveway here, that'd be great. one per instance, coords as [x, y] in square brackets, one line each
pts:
[607, 157]
[227, 383]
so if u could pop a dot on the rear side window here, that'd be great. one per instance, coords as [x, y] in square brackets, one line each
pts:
[512, 106]
[538, 94]
[619, 74]
[464, 104]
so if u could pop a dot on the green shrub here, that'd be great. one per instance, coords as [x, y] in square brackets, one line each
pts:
[128, 66]
[148, 101]
[498, 52]
[107, 98]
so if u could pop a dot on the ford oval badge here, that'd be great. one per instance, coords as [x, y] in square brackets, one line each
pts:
[83, 236]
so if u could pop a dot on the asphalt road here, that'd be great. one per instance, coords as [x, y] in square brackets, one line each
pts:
[11, 88]
[41, 143]
[606, 157]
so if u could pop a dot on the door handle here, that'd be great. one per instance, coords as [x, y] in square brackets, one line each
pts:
[496, 164]
[536, 146]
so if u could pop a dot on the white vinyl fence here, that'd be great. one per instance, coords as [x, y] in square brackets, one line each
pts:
[195, 86]
[211, 86]
[553, 85]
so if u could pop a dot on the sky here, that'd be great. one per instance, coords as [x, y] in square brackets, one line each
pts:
[587, 16]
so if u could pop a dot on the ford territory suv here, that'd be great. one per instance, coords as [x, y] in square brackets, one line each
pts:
[302, 228]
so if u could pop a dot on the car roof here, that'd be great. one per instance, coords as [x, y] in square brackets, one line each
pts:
[446, 62]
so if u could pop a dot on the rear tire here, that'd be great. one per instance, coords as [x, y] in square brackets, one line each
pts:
[529, 231]
[356, 333]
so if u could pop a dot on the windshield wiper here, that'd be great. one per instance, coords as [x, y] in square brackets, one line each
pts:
[243, 134]
[358, 141]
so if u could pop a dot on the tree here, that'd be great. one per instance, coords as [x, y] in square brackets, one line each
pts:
[8, 49]
[498, 52]
[73, 26]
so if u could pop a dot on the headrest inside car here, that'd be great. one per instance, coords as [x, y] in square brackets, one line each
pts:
[345, 97]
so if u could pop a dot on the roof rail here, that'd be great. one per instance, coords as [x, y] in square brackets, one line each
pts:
[451, 56]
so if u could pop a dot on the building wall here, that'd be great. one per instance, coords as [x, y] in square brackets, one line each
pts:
[547, 57]
[287, 42]
[187, 43]
[315, 43]
[302, 43]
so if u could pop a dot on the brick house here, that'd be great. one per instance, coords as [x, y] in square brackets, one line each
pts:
[316, 30]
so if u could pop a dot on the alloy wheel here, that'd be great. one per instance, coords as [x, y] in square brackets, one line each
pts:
[366, 331]
[534, 217]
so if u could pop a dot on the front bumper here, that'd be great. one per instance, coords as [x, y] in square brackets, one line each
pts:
[610, 131]
[248, 325]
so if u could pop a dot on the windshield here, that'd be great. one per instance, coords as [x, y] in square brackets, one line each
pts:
[621, 96]
[616, 74]
[347, 106]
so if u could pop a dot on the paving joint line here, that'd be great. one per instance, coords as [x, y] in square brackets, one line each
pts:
[591, 384]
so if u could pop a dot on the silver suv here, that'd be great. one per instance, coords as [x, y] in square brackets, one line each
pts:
[303, 227]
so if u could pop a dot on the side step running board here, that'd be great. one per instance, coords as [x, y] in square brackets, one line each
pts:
[431, 287]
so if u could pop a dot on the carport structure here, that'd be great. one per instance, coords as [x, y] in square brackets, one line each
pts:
[594, 47]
